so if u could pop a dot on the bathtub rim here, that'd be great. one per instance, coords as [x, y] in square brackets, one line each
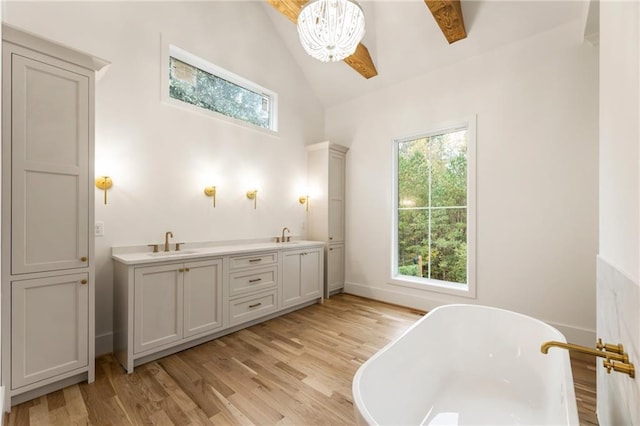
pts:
[364, 413]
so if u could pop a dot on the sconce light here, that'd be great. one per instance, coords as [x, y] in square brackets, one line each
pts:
[304, 199]
[104, 183]
[253, 195]
[210, 191]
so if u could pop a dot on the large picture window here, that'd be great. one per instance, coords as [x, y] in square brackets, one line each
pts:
[435, 208]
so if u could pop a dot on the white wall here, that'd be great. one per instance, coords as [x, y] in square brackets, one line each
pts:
[537, 112]
[618, 310]
[161, 157]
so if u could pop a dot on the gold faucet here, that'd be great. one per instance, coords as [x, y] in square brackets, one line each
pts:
[623, 357]
[615, 357]
[166, 240]
[285, 229]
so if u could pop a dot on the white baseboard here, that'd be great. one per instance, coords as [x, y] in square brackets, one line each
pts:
[573, 334]
[104, 344]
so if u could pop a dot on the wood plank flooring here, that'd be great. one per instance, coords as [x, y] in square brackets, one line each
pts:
[296, 369]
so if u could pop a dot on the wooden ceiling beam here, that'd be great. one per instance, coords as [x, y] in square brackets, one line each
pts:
[360, 61]
[448, 15]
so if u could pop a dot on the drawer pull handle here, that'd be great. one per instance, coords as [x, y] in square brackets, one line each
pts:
[187, 269]
[331, 249]
[181, 270]
[83, 281]
[255, 305]
[83, 259]
[255, 280]
[255, 260]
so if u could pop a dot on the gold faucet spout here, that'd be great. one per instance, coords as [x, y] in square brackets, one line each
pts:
[585, 350]
[166, 240]
[284, 229]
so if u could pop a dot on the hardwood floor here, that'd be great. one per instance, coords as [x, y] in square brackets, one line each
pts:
[296, 369]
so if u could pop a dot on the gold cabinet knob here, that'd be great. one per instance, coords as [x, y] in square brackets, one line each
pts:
[83, 259]
[83, 281]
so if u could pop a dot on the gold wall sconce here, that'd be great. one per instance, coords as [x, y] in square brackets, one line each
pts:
[252, 194]
[304, 199]
[104, 183]
[210, 191]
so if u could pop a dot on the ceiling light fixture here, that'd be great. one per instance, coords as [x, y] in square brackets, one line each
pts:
[330, 30]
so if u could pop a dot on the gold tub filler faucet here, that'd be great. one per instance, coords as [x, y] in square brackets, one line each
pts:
[615, 358]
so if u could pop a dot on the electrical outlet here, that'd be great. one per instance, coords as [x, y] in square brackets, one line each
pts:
[99, 229]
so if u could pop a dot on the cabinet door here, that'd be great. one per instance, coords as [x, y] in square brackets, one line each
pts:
[202, 296]
[291, 277]
[311, 284]
[335, 267]
[302, 276]
[50, 163]
[336, 196]
[158, 306]
[49, 327]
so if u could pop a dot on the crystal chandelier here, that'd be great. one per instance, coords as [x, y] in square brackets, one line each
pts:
[330, 30]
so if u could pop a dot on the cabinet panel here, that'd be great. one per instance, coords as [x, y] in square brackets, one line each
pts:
[253, 260]
[291, 277]
[251, 307]
[311, 285]
[252, 280]
[336, 174]
[158, 306]
[335, 267]
[50, 163]
[49, 319]
[202, 296]
[336, 220]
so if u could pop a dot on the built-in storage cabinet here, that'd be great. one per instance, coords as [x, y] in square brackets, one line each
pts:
[49, 317]
[47, 215]
[301, 275]
[326, 217]
[163, 306]
[175, 301]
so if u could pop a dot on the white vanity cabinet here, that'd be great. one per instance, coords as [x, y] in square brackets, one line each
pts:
[301, 275]
[168, 303]
[162, 305]
[47, 215]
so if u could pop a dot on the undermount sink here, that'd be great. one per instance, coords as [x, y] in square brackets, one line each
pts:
[172, 253]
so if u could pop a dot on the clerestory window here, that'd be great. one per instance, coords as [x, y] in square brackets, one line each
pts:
[194, 81]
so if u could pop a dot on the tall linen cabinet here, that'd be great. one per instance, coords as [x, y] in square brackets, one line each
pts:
[326, 165]
[47, 215]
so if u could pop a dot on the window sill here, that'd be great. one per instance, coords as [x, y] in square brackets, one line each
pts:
[454, 289]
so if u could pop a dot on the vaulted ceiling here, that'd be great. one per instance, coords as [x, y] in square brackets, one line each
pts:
[403, 40]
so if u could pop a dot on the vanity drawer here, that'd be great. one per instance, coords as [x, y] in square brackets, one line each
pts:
[251, 307]
[252, 280]
[253, 260]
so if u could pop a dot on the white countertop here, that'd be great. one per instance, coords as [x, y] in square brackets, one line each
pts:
[143, 255]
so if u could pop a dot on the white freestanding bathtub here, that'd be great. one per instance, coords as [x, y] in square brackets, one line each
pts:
[468, 365]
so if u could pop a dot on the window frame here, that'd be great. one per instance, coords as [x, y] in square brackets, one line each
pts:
[427, 284]
[171, 50]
